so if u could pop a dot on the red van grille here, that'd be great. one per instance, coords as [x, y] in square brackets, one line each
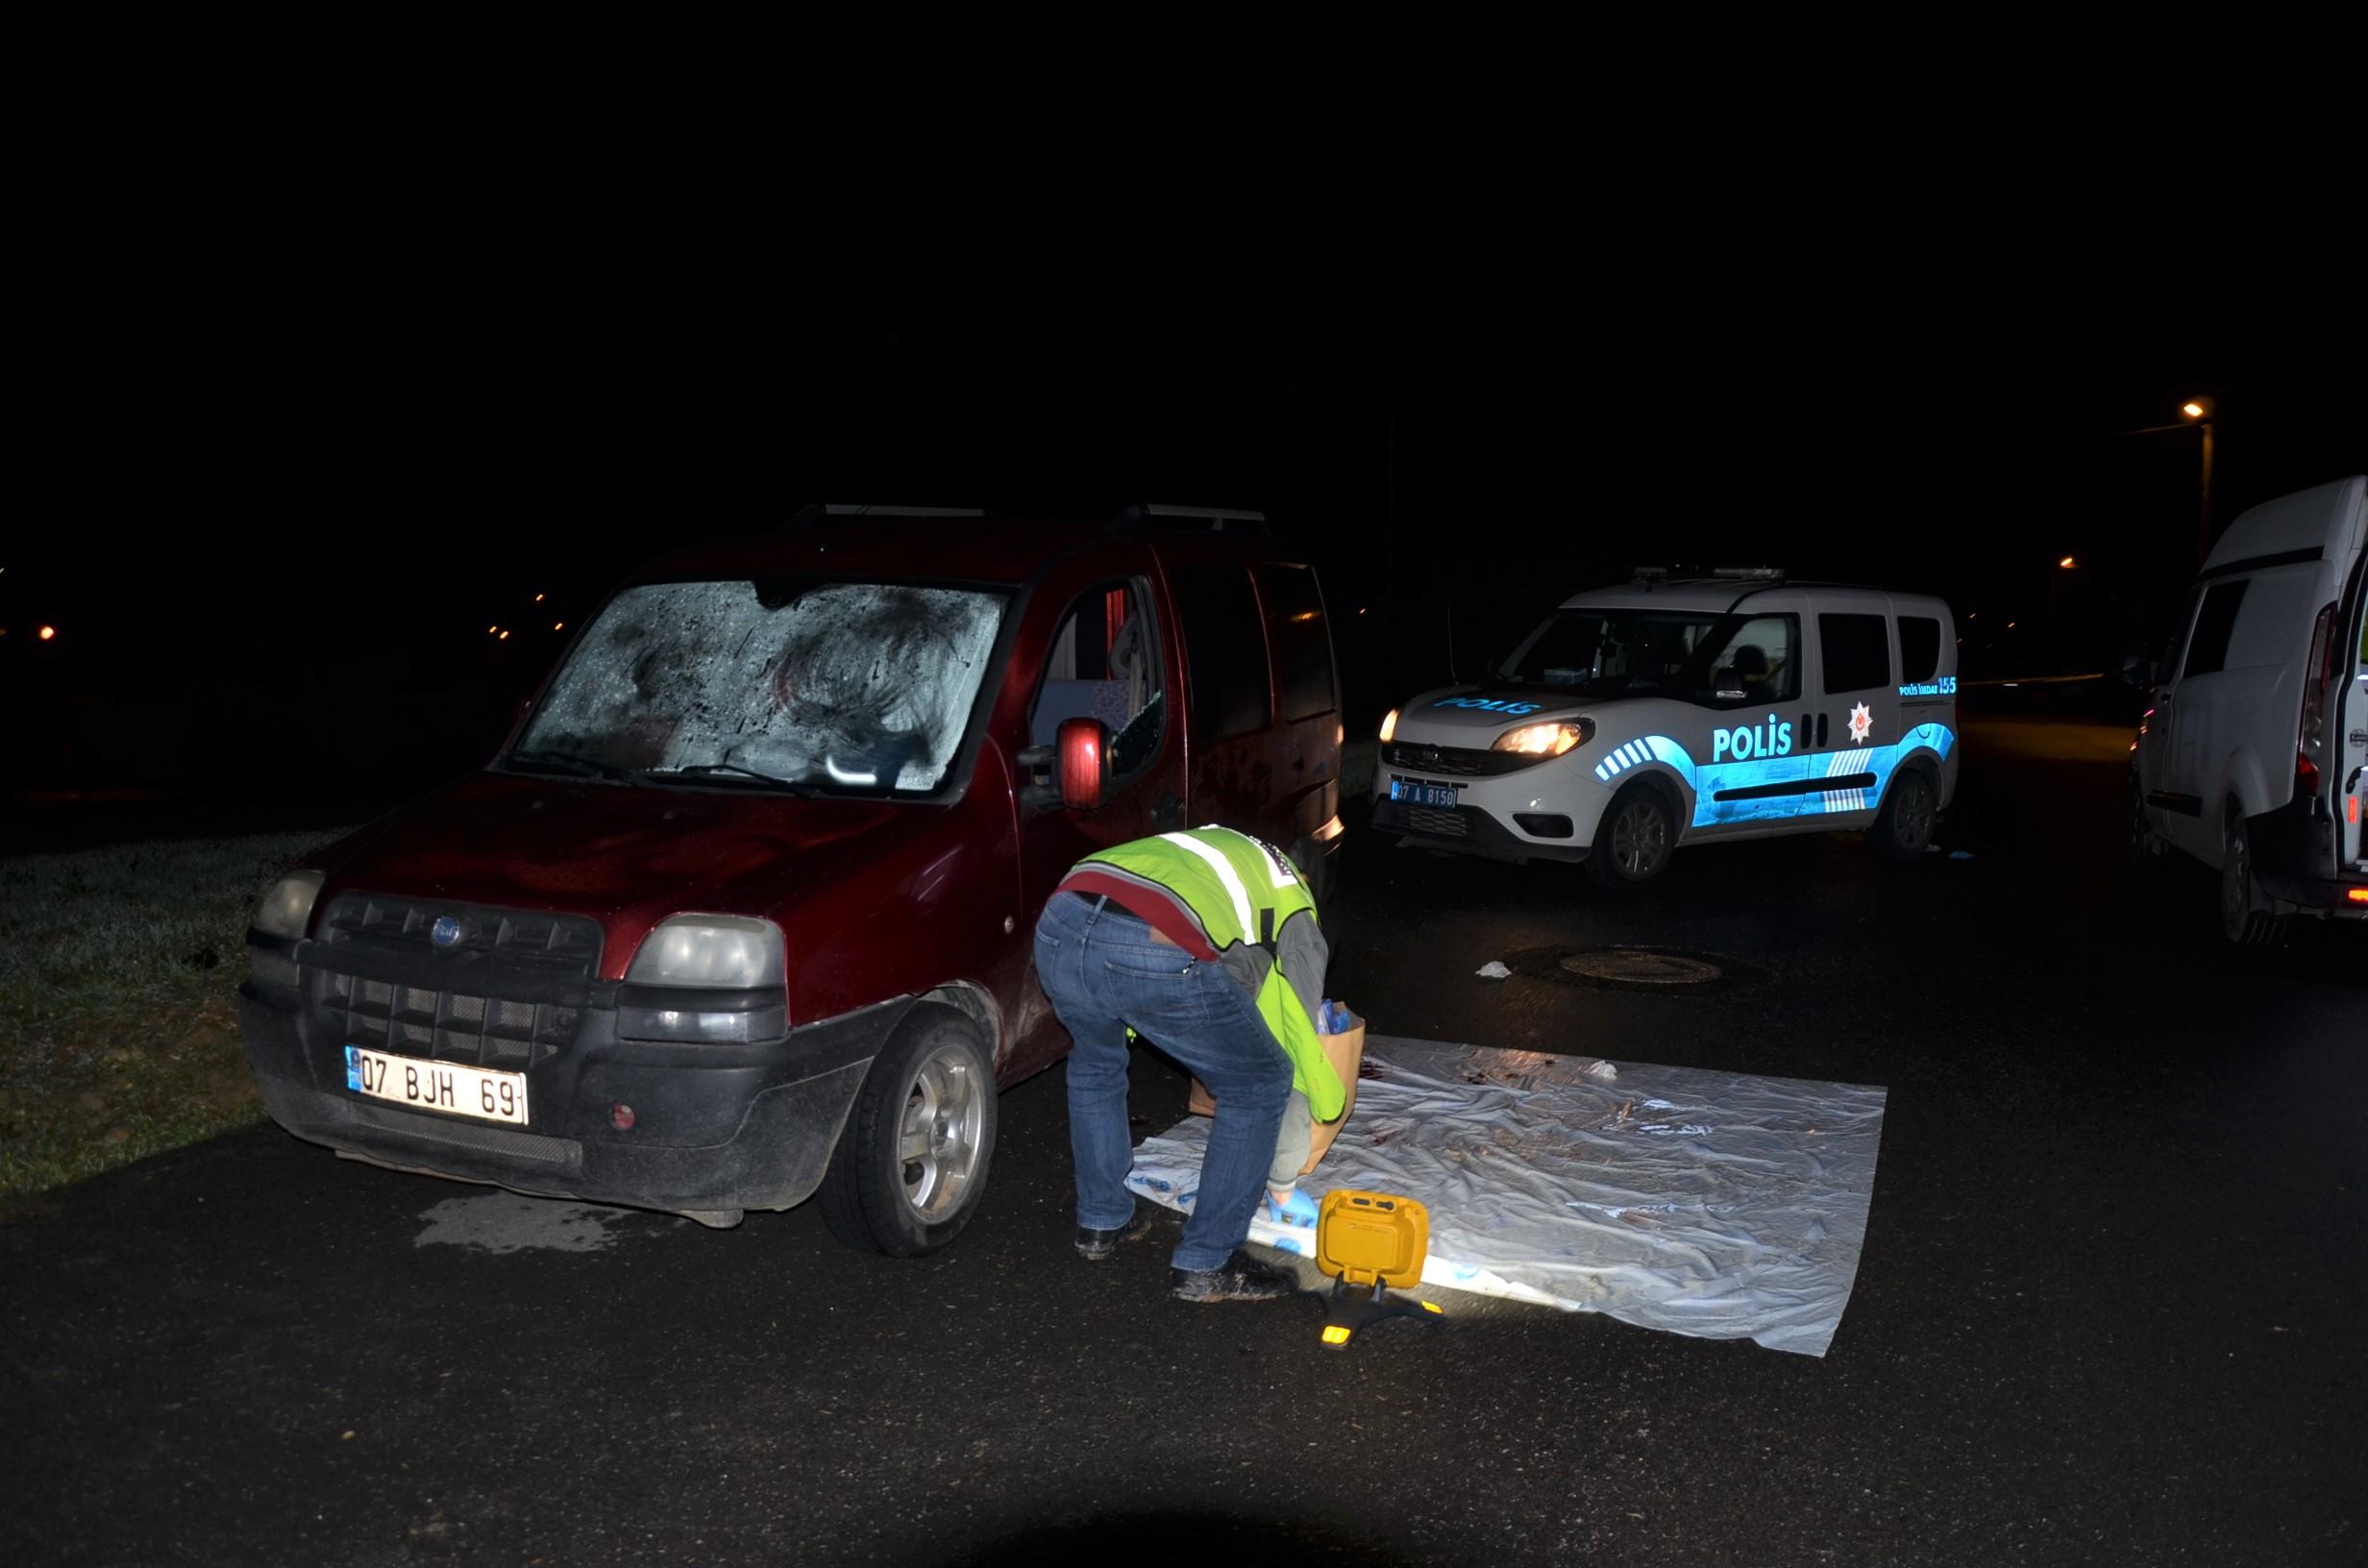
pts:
[377, 977]
[444, 1025]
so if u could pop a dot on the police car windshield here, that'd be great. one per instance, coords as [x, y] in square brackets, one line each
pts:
[821, 686]
[1614, 652]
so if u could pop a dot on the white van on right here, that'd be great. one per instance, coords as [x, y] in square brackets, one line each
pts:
[2252, 748]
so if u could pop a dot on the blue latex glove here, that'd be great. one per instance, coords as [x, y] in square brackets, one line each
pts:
[1301, 1209]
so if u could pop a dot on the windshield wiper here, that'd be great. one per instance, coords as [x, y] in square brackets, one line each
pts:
[733, 769]
[582, 766]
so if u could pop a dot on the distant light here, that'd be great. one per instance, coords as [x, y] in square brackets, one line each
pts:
[539, 599]
[47, 633]
[1360, 610]
[2195, 410]
[503, 638]
[1304, 614]
[2010, 627]
[493, 631]
[558, 625]
[2067, 563]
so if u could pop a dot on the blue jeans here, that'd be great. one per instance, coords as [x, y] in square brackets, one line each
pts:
[1105, 975]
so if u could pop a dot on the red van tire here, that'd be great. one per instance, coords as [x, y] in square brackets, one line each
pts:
[911, 1163]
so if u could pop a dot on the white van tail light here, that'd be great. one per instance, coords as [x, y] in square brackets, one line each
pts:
[2312, 731]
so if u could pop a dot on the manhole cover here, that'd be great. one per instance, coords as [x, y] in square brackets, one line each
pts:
[1636, 967]
[1669, 971]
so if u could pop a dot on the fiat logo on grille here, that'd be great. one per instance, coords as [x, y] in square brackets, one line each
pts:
[446, 932]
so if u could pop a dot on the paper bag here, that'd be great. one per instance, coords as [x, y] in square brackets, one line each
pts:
[1344, 1050]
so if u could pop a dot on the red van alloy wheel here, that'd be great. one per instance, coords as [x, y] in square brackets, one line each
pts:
[911, 1163]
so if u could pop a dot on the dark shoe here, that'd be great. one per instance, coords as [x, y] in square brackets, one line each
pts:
[1242, 1278]
[1095, 1245]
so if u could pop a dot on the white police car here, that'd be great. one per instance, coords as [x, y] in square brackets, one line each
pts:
[1684, 711]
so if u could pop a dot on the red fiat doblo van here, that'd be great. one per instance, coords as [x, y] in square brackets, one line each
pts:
[744, 907]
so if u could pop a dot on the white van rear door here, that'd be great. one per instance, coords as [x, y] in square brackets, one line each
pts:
[2347, 705]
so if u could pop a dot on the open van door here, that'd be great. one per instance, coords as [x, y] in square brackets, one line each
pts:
[2347, 704]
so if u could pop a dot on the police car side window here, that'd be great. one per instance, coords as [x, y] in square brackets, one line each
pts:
[1758, 663]
[1857, 652]
[1104, 664]
[1919, 647]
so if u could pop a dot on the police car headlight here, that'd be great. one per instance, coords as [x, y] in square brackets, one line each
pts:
[1388, 726]
[1546, 740]
[722, 950]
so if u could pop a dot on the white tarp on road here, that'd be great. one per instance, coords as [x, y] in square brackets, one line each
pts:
[1715, 1203]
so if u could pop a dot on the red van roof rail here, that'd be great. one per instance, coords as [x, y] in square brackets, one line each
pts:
[818, 512]
[1216, 519]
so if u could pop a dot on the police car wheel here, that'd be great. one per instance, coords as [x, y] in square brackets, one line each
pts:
[912, 1159]
[1633, 840]
[1910, 814]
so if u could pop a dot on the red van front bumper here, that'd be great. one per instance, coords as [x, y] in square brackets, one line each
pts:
[707, 1129]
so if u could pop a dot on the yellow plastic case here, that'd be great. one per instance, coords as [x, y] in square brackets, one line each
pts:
[1371, 1237]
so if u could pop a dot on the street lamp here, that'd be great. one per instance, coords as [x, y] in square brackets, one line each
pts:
[2199, 411]
[2196, 413]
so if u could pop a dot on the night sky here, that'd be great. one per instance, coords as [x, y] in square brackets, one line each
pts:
[296, 510]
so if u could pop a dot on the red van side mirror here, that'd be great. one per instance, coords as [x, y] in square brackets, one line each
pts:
[1083, 747]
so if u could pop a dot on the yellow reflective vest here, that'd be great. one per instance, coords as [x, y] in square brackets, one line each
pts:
[1242, 890]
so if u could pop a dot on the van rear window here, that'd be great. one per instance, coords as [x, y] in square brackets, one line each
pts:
[1224, 650]
[1302, 642]
[2207, 649]
[1919, 647]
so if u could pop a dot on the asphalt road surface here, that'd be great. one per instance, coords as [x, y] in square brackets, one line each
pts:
[2107, 1310]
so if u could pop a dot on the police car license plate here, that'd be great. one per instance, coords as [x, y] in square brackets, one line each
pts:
[1422, 792]
[438, 1086]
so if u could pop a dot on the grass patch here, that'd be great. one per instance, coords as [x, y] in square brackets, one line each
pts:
[119, 971]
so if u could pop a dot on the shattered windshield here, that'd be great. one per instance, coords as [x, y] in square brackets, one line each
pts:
[833, 685]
